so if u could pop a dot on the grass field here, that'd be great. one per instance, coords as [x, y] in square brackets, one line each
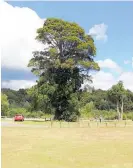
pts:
[25, 147]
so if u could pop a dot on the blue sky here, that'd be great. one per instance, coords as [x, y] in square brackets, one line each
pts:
[116, 16]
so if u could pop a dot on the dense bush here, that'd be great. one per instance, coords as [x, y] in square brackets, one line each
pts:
[23, 111]
[14, 111]
[86, 111]
[128, 116]
[94, 113]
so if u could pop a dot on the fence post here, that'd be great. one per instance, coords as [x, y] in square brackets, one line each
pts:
[79, 124]
[60, 123]
[106, 124]
[125, 123]
[68, 124]
[97, 124]
[51, 123]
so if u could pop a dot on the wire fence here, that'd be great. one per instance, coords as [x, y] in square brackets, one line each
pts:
[49, 123]
[91, 124]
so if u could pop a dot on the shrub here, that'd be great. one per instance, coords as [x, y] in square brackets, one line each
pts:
[86, 111]
[129, 115]
[14, 111]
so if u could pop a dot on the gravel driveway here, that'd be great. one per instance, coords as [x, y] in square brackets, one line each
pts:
[15, 124]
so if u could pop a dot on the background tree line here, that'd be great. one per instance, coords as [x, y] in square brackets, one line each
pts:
[92, 103]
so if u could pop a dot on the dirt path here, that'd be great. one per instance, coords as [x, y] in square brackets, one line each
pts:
[15, 124]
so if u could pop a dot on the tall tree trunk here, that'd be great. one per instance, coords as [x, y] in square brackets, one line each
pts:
[118, 111]
[57, 115]
[121, 114]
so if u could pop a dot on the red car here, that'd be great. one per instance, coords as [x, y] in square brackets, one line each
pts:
[18, 117]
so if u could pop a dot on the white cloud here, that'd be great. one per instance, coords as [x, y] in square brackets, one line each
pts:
[99, 31]
[127, 78]
[17, 35]
[103, 80]
[108, 63]
[1, 1]
[17, 84]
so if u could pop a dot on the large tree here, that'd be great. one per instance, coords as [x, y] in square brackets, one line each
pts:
[63, 65]
[117, 94]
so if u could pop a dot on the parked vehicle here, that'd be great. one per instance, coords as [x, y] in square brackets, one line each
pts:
[18, 117]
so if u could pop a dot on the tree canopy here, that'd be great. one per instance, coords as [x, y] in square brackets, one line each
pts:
[63, 65]
[117, 94]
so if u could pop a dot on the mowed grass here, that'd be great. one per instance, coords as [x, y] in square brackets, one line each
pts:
[25, 147]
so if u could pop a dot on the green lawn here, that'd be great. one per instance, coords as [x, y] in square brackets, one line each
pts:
[67, 147]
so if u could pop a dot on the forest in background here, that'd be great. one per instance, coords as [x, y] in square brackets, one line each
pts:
[92, 104]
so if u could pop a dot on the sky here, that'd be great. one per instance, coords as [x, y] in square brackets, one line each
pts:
[110, 24]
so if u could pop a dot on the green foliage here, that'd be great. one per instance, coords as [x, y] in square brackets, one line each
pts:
[117, 94]
[72, 112]
[38, 114]
[82, 100]
[108, 115]
[61, 67]
[128, 116]
[41, 97]
[128, 101]
[17, 98]
[4, 105]
[87, 110]
[26, 113]
[14, 111]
